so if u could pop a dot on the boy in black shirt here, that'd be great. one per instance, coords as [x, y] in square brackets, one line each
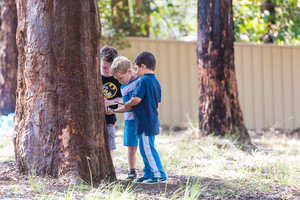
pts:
[111, 92]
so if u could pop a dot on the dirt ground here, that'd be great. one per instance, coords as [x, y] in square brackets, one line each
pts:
[14, 185]
[17, 186]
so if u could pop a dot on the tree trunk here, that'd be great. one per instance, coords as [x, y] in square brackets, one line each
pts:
[121, 16]
[59, 121]
[219, 110]
[269, 5]
[8, 57]
[142, 18]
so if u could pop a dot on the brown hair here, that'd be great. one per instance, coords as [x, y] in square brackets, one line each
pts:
[147, 59]
[108, 53]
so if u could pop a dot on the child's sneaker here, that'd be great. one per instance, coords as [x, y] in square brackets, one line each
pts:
[131, 177]
[141, 179]
[156, 180]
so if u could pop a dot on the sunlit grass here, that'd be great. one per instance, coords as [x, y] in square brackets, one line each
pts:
[212, 157]
[276, 163]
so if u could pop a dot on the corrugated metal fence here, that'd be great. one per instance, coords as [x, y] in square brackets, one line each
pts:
[267, 75]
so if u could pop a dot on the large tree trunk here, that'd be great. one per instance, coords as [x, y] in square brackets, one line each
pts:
[59, 121]
[8, 57]
[219, 110]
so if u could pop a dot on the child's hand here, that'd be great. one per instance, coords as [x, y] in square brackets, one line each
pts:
[106, 102]
[108, 111]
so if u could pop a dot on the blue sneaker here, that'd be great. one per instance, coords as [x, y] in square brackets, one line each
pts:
[131, 177]
[156, 180]
[140, 180]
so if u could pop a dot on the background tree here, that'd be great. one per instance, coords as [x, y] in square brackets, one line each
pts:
[8, 57]
[219, 108]
[147, 18]
[174, 19]
[264, 21]
[59, 120]
[0, 14]
[131, 17]
[269, 7]
[257, 21]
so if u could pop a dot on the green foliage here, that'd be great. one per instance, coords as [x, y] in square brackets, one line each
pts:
[168, 20]
[177, 19]
[253, 22]
[110, 36]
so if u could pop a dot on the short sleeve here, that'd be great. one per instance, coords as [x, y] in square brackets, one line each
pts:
[119, 94]
[140, 89]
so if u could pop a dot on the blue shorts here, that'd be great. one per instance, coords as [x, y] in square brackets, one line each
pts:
[112, 135]
[130, 138]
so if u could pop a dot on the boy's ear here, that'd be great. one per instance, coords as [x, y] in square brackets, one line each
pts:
[129, 70]
[143, 66]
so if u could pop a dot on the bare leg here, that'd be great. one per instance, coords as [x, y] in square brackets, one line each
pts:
[132, 157]
[112, 154]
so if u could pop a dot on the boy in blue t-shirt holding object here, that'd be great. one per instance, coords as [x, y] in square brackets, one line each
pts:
[144, 102]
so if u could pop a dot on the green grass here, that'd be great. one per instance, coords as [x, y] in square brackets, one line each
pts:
[210, 166]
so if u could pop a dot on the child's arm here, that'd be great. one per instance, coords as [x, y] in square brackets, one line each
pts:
[132, 102]
[113, 101]
[110, 111]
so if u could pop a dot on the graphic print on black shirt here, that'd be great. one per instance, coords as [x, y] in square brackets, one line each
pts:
[111, 90]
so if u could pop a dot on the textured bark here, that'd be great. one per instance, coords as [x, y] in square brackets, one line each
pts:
[219, 110]
[59, 120]
[8, 57]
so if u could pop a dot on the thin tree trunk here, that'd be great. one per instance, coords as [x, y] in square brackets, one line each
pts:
[8, 57]
[121, 16]
[59, 120]
[219, 110]
[142, 16]
[269, 5]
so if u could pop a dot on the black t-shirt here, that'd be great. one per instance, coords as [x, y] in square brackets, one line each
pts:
[111, 89]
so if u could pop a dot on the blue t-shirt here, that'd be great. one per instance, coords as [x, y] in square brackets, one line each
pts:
[127, 91]
[145, 113]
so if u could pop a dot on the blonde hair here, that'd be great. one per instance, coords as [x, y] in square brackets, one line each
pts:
[120, 65]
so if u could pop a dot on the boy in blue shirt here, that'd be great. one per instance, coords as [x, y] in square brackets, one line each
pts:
[121, 69]
[144, 103]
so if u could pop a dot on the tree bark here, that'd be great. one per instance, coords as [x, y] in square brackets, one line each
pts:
[219, 110]
[59, 120]
[8, 57]
[269, 5]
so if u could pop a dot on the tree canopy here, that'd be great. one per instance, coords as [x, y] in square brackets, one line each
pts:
[253, 21]
[177, 19]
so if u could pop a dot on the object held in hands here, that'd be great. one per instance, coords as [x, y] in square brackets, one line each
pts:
[114, 110]
[119, 103]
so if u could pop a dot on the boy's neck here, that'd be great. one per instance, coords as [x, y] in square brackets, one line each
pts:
[148, 71]
[133, 76]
